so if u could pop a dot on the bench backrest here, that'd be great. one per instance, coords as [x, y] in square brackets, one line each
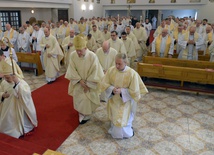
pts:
[178, 62]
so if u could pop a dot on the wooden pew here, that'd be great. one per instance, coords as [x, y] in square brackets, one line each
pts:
[178, 62]
[31, 58]
[200, 57]
[183, 74]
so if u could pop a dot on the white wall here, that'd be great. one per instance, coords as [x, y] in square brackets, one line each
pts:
[207, 11]
[157, 2]
[40, 14]
[78, 13]
[178, 13]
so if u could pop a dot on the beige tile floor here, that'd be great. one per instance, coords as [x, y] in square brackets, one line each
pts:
[167, 122]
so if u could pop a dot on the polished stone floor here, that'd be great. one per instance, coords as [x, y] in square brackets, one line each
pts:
[167, 122]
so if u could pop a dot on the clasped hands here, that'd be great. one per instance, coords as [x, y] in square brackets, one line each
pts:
[191, 42]
[85, 87]
[5, 95]
[70, 44]
[116, 90]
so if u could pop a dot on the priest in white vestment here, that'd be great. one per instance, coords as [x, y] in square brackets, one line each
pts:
[106, 56]
[5, 48]
[97, 34]
[163, 45]
[130, 48]
[211, 52]
[85, 73]
[23, 41]
[36, 38]
[17, 111]
[190, 43]
[52, 55]
[12, 35]
[123, 87]
[142, 37]
[106, 34]
[68, 46]
[177, 35]
[116, 43]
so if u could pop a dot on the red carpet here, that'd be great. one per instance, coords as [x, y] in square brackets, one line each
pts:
[57, 119]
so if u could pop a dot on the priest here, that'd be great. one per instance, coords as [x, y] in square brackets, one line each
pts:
[52, 55]
[85, 73]
[17, 111]
[123, 87]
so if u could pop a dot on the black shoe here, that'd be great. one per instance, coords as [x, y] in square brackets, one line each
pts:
[50, 82]
[84, 121]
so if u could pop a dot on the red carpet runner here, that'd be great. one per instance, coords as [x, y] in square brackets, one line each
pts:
[57, 119]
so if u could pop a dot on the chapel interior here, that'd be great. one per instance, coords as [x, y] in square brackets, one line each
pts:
[168, 121]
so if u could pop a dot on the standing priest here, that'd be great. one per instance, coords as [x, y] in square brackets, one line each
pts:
[85, 73]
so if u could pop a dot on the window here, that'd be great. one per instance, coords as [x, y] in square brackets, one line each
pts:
[11, 17]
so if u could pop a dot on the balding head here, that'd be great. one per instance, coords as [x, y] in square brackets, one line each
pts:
[106, 46]
[21, 30]
[192, 30]
[46, 32]
[164, 32]
[72, 33]
[138, 25]
[208, 29]
[8, 27]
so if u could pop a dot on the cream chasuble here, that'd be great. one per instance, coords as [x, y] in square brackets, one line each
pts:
[91, 44]
[98, 37]
[67, 49]
[119, 108]
[106, 60]
[89, 69]
[17, 113]
[118, 45]
[52, 64]
[106, 36]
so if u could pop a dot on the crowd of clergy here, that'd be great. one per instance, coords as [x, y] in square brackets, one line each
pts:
[95, 50]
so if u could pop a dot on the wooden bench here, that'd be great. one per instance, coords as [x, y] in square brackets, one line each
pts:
[183, 74]
[200, 57]
[178, 62]
[33, 58]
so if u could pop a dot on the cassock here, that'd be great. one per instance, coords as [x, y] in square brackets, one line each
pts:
[52, 64]
[67, 49]
[84, 68]
[121, 108]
